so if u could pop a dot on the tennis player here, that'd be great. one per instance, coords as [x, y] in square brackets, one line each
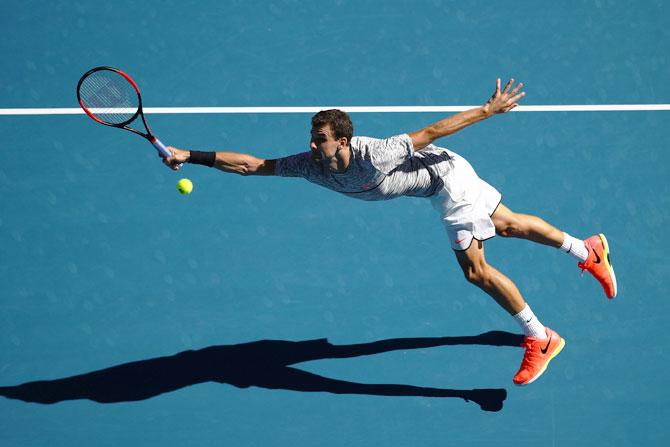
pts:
[470, 209]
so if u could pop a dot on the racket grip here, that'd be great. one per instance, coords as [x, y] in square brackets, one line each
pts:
[160, 147]
[163, 151]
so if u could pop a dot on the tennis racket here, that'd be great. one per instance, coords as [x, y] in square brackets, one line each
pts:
[111, 97]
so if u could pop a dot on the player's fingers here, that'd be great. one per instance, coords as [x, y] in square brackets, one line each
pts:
[518, 97]
[169, 162]
[516, 89]
[509, 84]
[497, 92]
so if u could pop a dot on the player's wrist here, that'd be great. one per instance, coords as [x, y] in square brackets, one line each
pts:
[486, 111]
[201, 158]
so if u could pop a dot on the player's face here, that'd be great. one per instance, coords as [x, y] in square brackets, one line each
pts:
[326, 150]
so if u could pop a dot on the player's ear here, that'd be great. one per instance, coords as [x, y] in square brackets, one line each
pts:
[343, 141]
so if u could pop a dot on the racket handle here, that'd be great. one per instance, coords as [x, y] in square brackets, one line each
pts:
[160, 147]
[162, 150]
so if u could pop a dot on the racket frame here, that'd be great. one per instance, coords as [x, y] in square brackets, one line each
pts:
[160, 147]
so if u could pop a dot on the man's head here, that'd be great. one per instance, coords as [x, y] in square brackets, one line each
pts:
[339, 122]
[331, 134]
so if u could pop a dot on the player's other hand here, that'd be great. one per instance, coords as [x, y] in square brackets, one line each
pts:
[505, 100]
[177, 159]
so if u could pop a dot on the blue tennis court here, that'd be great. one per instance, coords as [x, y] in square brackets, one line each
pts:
[271, 312]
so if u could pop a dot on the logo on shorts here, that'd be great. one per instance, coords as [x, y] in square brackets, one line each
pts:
[458, 241]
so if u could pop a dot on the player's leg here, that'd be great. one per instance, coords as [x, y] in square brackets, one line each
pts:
[541, 344]
[478, 272]
[525, 226]
[592, 253]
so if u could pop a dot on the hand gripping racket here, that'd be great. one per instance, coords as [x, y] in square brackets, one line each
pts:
[111, 97]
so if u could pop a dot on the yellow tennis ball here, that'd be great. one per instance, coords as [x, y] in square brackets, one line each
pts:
[184, 186]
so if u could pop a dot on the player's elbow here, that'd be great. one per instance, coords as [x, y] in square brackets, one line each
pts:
[257, 167]
[248, 170]
[431, 133]
[422, 138]
[265, 167]
[245, 169]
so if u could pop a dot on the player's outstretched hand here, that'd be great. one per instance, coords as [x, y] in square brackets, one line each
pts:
[177, 159]
[505, 100]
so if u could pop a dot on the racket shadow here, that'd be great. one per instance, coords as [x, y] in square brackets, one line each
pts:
[263, 363]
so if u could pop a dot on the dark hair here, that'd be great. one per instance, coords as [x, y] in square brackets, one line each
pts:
[339, 122]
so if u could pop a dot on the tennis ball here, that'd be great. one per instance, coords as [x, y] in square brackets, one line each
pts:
[184, 186]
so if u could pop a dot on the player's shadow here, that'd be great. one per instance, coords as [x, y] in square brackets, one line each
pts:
[264, 363]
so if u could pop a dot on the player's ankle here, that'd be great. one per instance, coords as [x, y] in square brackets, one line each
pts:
[575, 247]
[530, 324]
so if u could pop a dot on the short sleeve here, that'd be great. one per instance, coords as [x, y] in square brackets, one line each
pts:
[293, 166]
[388, 154]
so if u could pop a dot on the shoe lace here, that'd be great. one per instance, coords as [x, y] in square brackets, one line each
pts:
[530, 355]
[586, 264]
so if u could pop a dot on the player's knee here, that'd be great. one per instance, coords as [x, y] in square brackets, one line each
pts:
[510, 227]
[476, 273]
[507, 231]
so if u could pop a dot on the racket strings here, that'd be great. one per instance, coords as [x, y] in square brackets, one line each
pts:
[109, 96]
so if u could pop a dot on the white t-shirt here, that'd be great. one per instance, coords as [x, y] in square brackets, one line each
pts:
[379, 169]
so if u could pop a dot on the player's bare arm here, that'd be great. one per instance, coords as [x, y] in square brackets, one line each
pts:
[500, 102]
[233, 162]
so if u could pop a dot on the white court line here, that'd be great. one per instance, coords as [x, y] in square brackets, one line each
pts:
[351, 109]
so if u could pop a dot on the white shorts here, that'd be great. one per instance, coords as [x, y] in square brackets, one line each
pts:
[465, 204]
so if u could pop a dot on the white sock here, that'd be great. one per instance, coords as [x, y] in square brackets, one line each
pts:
[530, 324]
[575, 247]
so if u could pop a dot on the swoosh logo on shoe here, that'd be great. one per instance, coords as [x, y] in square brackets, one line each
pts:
[546, 348]
[597, 261]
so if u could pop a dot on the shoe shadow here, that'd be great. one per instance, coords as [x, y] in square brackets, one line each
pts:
[264, 364]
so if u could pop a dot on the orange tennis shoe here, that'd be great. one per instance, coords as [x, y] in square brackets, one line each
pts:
[598, 264]
[537, 356]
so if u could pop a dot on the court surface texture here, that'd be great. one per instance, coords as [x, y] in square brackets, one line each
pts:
[271, 312]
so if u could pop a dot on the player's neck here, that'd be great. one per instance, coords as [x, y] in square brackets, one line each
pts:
[343, 160]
